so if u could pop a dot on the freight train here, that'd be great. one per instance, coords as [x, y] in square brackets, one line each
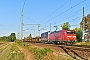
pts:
[59, 37]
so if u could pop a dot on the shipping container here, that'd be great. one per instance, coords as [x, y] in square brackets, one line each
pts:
[45, 36]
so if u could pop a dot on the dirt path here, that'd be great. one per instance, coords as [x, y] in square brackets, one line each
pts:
[5, 50]
[27, 54]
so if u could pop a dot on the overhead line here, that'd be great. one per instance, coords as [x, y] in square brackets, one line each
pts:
[57, 9]
[74, 18]
[78, 17]
[60, 7]
[68, 17]
[30, 19]
[66, 10]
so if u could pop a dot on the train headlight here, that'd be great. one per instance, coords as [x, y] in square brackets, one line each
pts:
[75, 40]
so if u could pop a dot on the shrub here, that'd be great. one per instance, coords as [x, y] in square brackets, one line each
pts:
[40, 54]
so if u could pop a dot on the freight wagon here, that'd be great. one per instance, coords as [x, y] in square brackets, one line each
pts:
[57, 37]
[45, 36]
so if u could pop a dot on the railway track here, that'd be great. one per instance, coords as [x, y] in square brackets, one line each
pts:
[75, 51]
[78, 47]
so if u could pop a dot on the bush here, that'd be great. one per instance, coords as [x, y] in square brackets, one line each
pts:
[40, 53]
[79, 36]
[45, 51]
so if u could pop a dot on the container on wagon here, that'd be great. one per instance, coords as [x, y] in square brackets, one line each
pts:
[45, 36]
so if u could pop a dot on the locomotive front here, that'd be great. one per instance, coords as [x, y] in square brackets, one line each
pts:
[71, 36]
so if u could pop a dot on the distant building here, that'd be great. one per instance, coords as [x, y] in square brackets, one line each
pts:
[86, 26]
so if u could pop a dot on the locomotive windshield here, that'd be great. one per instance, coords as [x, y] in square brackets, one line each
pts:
[70, 32]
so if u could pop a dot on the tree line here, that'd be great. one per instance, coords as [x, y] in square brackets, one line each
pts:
[10, 38]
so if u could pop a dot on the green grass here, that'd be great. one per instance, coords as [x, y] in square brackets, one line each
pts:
[68, 58]
[83, 43]
[20, 42]
[13, 53]
[40, 54]
[63, 58]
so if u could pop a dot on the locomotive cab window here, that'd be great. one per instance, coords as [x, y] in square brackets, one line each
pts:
[70, 32]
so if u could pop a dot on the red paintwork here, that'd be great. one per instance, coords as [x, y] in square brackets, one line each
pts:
[62, 35]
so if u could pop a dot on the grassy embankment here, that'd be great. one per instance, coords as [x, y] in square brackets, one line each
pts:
[42, 54]
[13, 53]
[82, 43]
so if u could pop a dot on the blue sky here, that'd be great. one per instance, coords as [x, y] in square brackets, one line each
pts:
[41, 12]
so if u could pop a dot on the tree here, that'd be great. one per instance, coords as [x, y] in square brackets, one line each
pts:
[66, 26]
[79, 34]
[86, 23]
[12, 37]
[9, 39]
[30, 36]
[3, 38]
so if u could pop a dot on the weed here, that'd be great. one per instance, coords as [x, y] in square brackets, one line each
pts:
[40, 54]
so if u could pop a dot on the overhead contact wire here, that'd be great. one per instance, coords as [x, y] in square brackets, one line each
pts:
[57, 9]
[66, 10]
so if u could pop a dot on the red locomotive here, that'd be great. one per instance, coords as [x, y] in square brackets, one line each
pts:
[63, 36]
